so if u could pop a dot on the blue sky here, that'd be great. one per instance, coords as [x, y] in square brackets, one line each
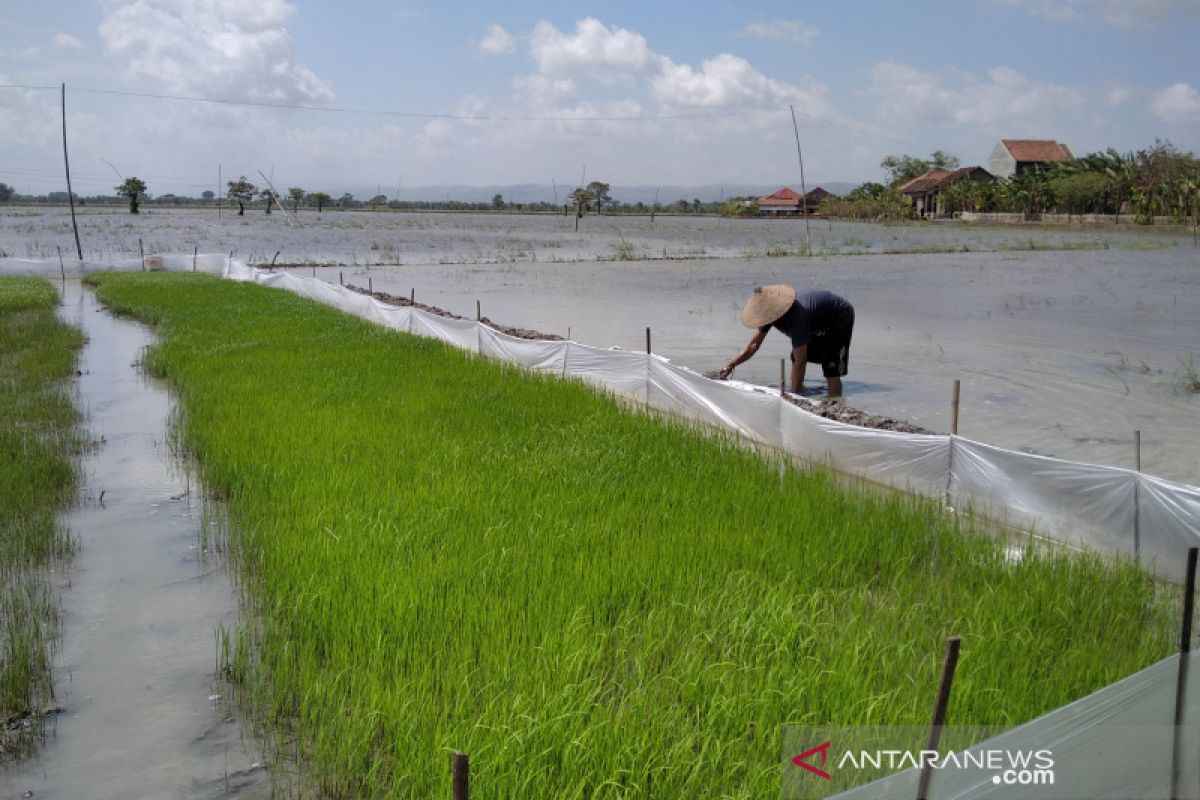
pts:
[667, 92]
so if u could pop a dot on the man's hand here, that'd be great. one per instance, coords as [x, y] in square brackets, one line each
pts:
[726, 371]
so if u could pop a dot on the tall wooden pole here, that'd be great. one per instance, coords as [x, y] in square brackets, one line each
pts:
[460, 772]
[67, 165]
[803, 189]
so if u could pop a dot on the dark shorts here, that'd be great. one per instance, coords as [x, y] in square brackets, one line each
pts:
[832, 351]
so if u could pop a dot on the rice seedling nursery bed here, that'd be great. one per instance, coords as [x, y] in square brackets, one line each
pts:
[40, 438]
[442, 553]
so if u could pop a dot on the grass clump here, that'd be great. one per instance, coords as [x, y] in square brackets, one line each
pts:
[40, 438]
[441, 552]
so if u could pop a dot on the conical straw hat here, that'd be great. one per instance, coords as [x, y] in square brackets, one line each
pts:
[767, 304]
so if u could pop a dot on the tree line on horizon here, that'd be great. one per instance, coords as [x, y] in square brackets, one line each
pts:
[1158, 181]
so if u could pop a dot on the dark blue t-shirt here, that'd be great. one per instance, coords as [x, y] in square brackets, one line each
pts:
[816, 312]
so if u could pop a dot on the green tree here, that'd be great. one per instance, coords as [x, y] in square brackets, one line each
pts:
[242, 191]
[582, 197]
[6, 192]
[346, 201]
[598, 191]
[498, 202]
[133, 188]
[903, 168]
[270, 197]
[296, 194]
[208, 195]
[321, 199]
[378, 200]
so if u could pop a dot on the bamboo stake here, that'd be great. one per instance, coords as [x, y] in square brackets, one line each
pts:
[647, 341]
[62, 267]
[142, 251]
[782, 372]
[341, 279]
[412, 296]
[478, 312]
[953, 437]
[370, 286]
[460, 770]
[1185, 649]
[67, 166]
[803, 190]
[939, 712]
[954, 408]
[195, 252]
[1137, 504]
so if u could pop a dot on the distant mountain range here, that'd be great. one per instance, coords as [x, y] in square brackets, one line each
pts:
[547, 193]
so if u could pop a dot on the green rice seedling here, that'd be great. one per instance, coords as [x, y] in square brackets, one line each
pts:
[39, 441]
[438, 552]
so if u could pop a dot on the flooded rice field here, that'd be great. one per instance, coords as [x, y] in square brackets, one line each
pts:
[1066, 340]
[141, 713]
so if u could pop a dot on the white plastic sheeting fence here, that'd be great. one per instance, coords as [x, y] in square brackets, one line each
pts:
[1108, 509]
[1114, 743]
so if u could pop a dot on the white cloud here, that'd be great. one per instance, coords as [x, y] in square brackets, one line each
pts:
[497, 41]
[723, 81]
[1179, 102]
[785, 30]
[65, 41]
[221, 48]
[594, 48]
[1003, 99]
[1119, 13]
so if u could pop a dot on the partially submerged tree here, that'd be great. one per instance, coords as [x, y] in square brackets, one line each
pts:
[296, 194]
[599, 194]
[321, 199]
[6, 192]
[133, 188]
[242, 191]
[269, 196]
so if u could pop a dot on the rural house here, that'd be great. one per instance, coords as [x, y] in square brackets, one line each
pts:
[785, 202]
[924, 191]
[1017, 156]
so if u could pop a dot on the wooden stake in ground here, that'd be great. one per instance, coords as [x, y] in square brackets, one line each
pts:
[954, 408]
[195, 252]
[782, 376]
[1137, 504]
[1185, 650]
[460, 772]
[478, 312]
[142, 252]
[62, 267]
[67, 165]
[949, 663]
[647, 341]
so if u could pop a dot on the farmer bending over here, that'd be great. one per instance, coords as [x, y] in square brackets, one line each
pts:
[818, 322]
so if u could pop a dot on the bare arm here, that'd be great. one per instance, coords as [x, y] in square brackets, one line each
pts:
[746, 354]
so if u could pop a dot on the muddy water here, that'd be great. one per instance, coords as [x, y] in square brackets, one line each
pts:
[142, 712]
[1059, 353]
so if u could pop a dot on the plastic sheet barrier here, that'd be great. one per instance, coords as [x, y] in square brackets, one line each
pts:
[1108, 509]
[1118, 742]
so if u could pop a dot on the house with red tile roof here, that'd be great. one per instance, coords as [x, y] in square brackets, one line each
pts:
[788, 202]
[924, 191]
[1017, 156]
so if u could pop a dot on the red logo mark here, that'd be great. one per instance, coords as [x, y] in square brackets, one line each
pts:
[802, 760]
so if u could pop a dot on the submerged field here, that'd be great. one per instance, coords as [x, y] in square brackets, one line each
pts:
[39, 440]
[443, 553]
